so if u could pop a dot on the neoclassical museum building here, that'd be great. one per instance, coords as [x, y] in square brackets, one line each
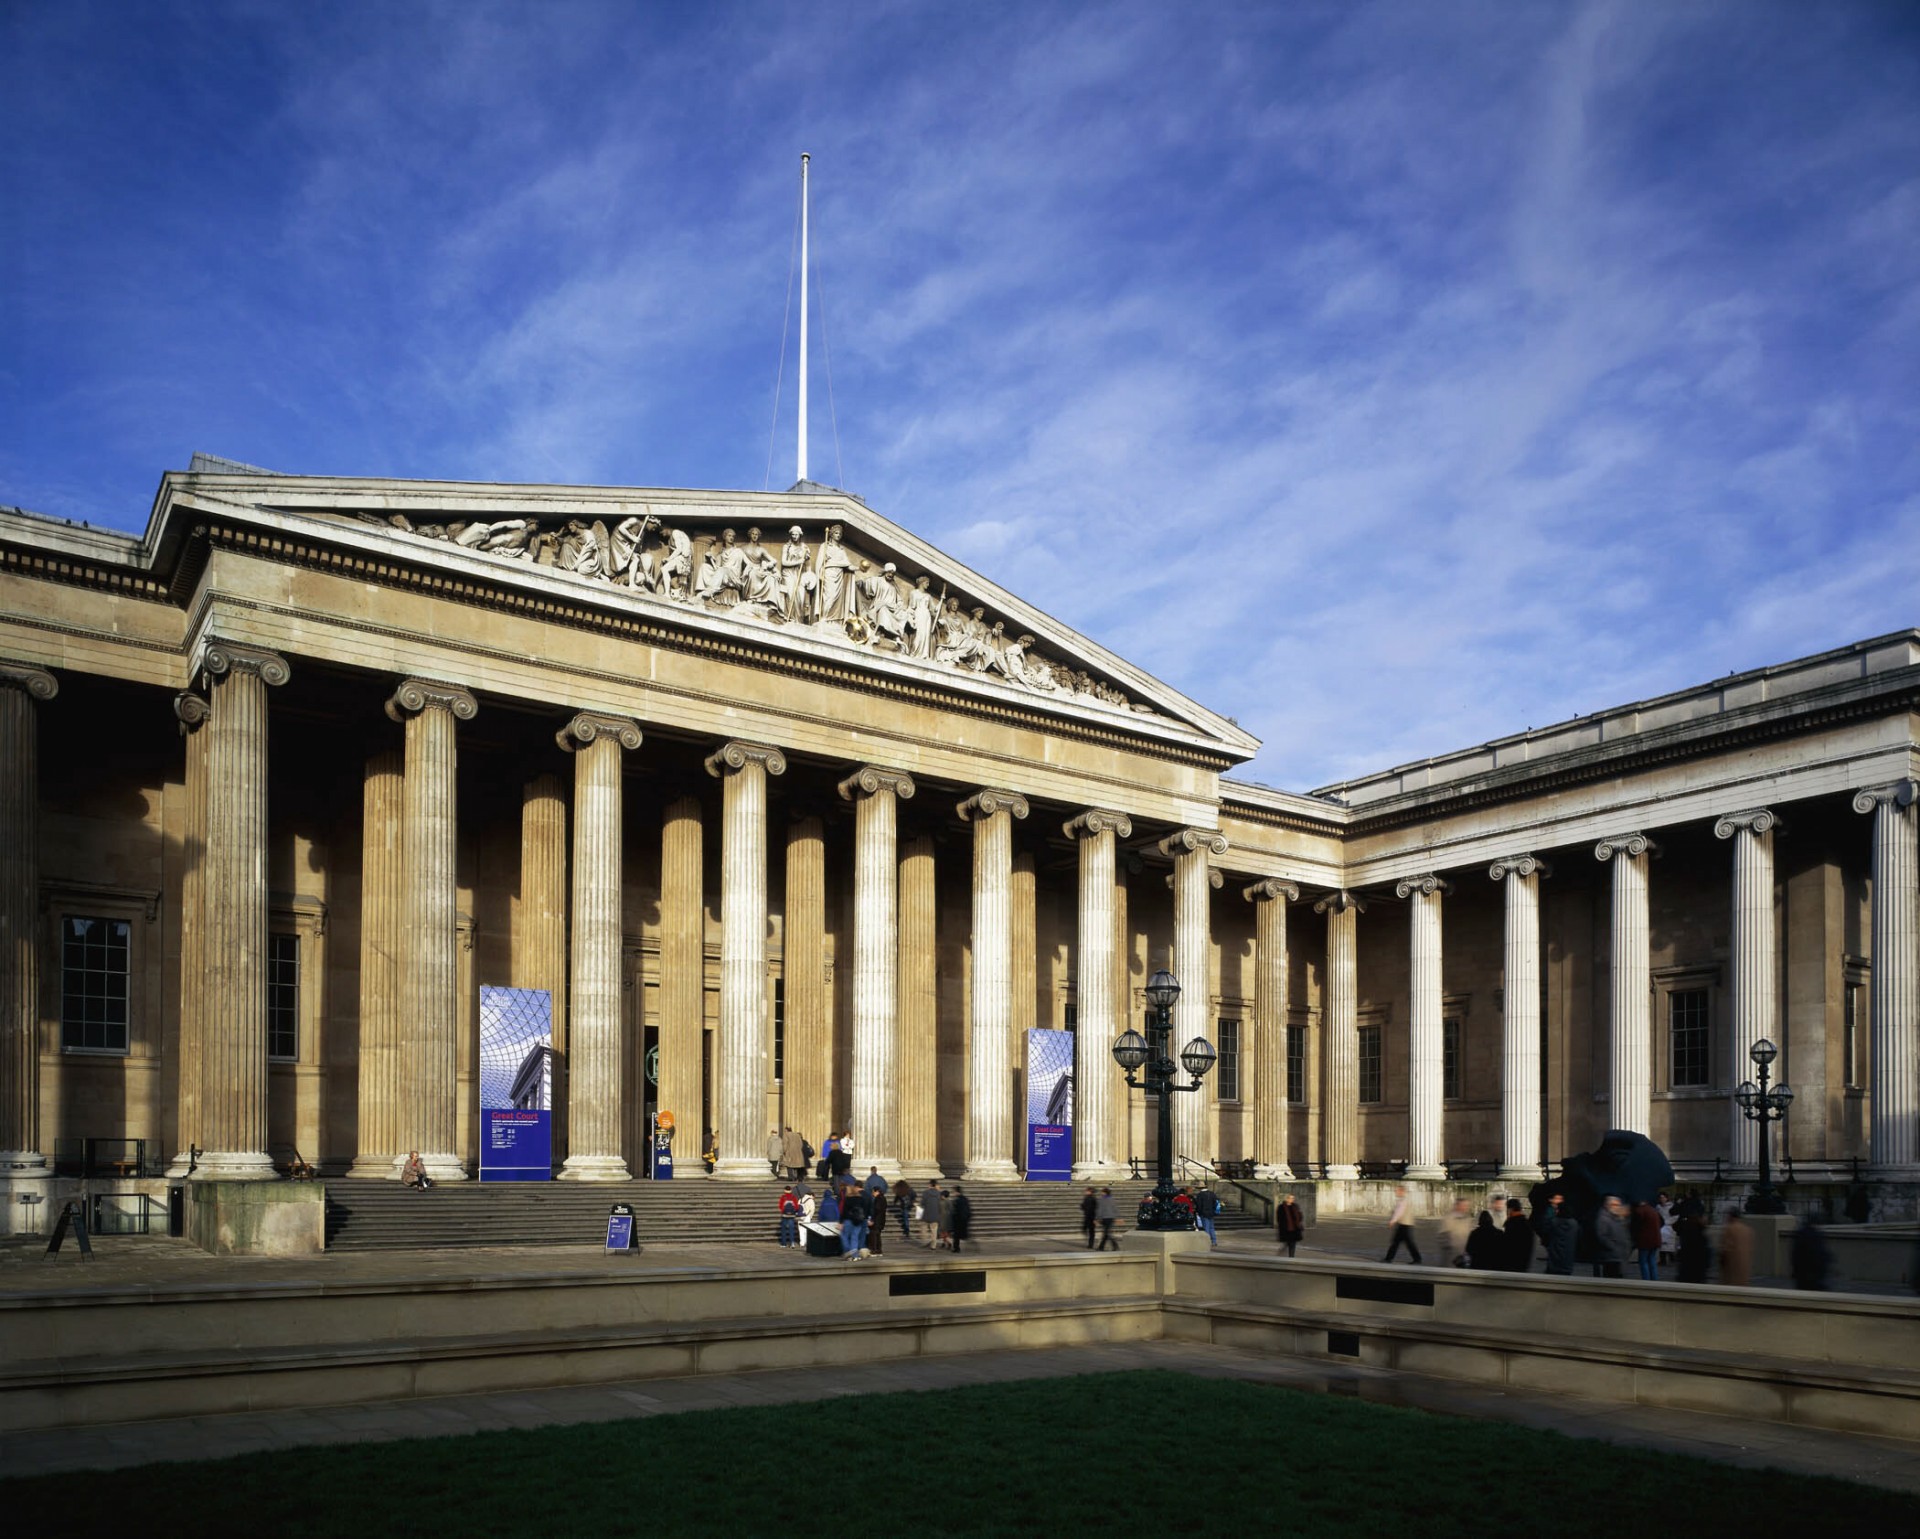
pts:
[798, 821]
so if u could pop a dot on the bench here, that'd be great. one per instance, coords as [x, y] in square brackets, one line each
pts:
[1235, 1170]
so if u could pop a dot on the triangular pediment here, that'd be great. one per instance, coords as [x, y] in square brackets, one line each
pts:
[813, 570]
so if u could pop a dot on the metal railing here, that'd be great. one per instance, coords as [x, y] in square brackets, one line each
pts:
[91, 1158]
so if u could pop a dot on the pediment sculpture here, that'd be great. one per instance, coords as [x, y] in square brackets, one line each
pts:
[823, 586]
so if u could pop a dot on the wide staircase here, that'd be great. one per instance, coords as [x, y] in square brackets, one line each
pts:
[383, 1215]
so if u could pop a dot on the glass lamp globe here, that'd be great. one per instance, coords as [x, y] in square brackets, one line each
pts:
[1130, 1050]
[1162, 990]
[1746, 1094]
[1198, 1055]
[1763, 1052]
[1783, 1095]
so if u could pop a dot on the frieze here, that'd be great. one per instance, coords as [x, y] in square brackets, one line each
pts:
[823, 586]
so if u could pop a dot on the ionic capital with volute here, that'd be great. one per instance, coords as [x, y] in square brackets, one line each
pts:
[872, 779]
[1266, 890]
[1214, 879]
[1518, 865]
[1755, 821]
[1340, 902]
[1897, 793]
[1096, 820]
[591, 727]
[414, 696]
[191, 711]
[731, 758]
[1426, 886]
[37, 682]
[985, 803]
[1193, 841]
[1632, 845]
[219, 657]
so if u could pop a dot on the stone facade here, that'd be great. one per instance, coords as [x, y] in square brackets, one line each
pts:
[812, 833]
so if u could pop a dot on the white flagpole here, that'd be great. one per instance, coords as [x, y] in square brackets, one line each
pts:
[802, 475]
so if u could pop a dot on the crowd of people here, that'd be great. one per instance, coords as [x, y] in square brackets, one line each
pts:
[935, 1217]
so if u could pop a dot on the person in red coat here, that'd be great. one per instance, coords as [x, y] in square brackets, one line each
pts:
[1644, 1226]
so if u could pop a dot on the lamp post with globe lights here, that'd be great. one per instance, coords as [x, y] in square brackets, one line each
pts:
[1154, 1054]
[1765, 1106]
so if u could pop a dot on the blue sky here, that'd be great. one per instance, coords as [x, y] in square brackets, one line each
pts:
[1389, 377]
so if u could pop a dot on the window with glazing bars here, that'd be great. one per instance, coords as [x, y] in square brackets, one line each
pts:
[1450, 1058]
[1370, 1073]
[95, 967]
[1297, 1065]
[283, 997]
[1687, 1036]
[1229, 1069]
[779, 1028]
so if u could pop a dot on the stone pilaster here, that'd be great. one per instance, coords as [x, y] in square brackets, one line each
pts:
[876, 794]
[919, 1013]
[1120, 1124]
[1520, 1017]
[595, 1111]
[1630, 984]
[1340, 1016]
[1754, 961]
[383, 897]
[191, 711]
[23, 1166]
[1095, 1156]
[990, 1093]
[233, 1078]
[807, 1083]
[1894, 1004]
[743, 1071]
[429, 1031]
[1267, 1084]
[683, 978]
[1426, 1039]
[540, 937]
[1193, 884]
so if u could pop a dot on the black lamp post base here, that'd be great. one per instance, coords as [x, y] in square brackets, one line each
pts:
[1160, 1212]
[1765, 1199]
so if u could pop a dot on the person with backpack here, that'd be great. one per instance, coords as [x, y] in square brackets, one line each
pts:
[789, 1219]
[854, 1214]
[1206, 1208]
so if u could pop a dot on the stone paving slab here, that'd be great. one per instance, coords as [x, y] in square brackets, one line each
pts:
[1884, 1462]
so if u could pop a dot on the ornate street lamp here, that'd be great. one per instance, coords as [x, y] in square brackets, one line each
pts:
[1764, 1106]
[1154, 1053]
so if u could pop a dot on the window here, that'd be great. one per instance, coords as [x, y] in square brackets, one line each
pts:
[779, 1029]
[1229, 1070]
[1069, 1016]
[1687, 1037]
[1854, 1064]
[1296, 1066]
[283, 997]
[95, 971]
[1370, 1075]
[1450, 1058]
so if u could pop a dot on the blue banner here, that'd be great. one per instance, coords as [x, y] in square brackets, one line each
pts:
[1049, 1105]
[516, 1084]
[516, 1146]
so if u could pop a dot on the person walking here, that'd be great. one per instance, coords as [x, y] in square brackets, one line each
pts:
[959, 1217]
[1517, 1239]
[1646, 1224]
[1486, 1246]
[1206, 1208]
[1611, 1239]
[1401, 1223]
[1736, 1251]
[1455, 1230]
[1089, 1211]
[1108, 1214]
[793, 1155]
[776, 1147]
[1559, 1231]
[875, 1235]
[930, 1203]
[1291, 1222]
[902, 1206]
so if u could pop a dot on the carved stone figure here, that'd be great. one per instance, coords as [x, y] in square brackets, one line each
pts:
[676, 562]
[799, 586]
[922, 613]
[834, 565]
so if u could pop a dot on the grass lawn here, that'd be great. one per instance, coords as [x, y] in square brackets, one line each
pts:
[1036, 1458]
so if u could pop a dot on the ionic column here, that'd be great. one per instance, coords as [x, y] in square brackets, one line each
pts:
[1894, 985]
[1630, 988]
[1120, 1121]
[191, 711]
[1097, 1021]
[1340, 1017]
[383, 896]
[233, 1078]
[23, 1166]
[741, 1106]
[1193, 883]
[989, 1066]
[919, 1014]
[1426, 1037]
[1754, 966]
[683, 977]
[540, 939]
[429, 1031]
[876, 794]
[1269, 1080]
[594, 1079]
[1520, 1035]
[807, 1087]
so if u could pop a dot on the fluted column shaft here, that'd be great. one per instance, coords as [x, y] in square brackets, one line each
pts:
[1753, 961]
[1340, 1017]
[1193, 883]
[233, 1087]
[919, 1013]
[1520, 876]
[1096, 1019]
[191, 711]
[382, 975]
[595, 1110]
[1120, 1119]
[683, 976]
[989, 1082]
[1630, 985]
[741, 1106]
[429, 1031]
[540, 942]
[875, 794]
[20, 1154]
[1894, 985]
[807, 1083]
[1426, 1035]
[1269, 1045]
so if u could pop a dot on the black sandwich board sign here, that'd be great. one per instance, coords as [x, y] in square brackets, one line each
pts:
[620, 1228]
[73, 1216]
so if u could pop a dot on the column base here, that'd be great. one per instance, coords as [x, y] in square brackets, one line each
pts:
[595, 1167]
[24, 1192]
[376, 1167]
[445, 1167]
[1426, 1172]
[752, 1168]
[919, 1172]
[1102, 1173]
[235, 1165]
[992, 1170]
[182, 1166]
[1343, 1172]
[1528, 1173]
